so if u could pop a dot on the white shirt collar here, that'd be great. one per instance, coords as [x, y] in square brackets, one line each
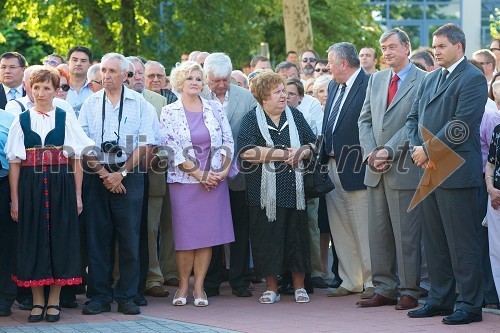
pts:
[353, 77]
[452, 67]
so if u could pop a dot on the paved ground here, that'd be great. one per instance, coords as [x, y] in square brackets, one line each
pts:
[228, 313]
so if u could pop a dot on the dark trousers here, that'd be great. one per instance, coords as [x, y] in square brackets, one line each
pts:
[111, 214]
[8, 236]
[452, 248]
[490, 292]
[143, 239]
[239, 267]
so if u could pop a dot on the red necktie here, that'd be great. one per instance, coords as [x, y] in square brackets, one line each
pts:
[393, 88]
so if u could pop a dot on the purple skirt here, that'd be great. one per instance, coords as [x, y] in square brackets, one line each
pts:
[200, 218]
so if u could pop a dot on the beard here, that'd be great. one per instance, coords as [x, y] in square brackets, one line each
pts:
[308, 69]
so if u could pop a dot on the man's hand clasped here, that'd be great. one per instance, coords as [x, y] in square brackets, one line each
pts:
[113, 183]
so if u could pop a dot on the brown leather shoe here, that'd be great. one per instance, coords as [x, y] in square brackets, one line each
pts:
[376, 300]
[172, 282]
[406, 302]
[157, 291]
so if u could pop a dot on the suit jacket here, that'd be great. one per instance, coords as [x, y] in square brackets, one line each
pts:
[240, 102]
[157, 181]
[3, 98]
[346, 147]
[452, 114]
[169, 95]
[382, 126]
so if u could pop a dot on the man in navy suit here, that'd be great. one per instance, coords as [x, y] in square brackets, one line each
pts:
[12, 66]
[347, 204]
[450, 105]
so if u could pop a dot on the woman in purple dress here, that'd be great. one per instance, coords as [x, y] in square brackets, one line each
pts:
[199, 145]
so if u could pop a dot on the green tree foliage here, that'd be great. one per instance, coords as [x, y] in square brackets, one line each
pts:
[163, 30]
[495, 24]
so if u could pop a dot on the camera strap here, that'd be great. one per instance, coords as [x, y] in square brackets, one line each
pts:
[120, 112]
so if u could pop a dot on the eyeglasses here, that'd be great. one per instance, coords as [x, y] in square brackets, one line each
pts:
[64, 87]
[98, 82]
[324, 70]
[11, 68]
[130, 74]
[494, 49]
[50, 62]
[308, 59]
[158, 76]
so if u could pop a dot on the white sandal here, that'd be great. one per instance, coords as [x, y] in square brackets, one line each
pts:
[179, 301]
[271, 295]
[200, 302]
[301, 292]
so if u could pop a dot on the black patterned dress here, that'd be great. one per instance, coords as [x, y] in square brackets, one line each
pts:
[48, 242]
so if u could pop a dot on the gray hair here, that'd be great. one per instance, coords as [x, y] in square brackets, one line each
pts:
[345, 51]
[490, 56]
[27, 72]
[286, 65]
[152, 62]
[453, 32]
[402, 36]
[136, 59]
[243, 76]
[92, 70]
[425, 56]
[120, 57]
[130, 66]
[218, 64]
[321, 80]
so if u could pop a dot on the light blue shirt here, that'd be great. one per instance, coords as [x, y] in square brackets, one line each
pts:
[75, 98]
[5, 122]
[139, 124]
[402, 74]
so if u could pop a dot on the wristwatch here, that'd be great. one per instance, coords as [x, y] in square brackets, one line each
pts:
[124, 173]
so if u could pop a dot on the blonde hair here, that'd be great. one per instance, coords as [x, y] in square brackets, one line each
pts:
[308, 84]
[319, 82]
[495, 87]
[180, 73]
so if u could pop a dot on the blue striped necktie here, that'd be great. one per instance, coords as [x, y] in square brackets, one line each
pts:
[331, 120]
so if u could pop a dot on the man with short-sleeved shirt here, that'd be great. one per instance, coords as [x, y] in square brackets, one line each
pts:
[123, 126]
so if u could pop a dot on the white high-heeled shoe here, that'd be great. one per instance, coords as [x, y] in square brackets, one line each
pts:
[179, 301]
[200, 302]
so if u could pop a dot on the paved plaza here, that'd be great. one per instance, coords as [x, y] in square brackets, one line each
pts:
[227, 313]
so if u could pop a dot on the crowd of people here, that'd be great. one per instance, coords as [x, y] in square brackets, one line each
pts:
[118, 180]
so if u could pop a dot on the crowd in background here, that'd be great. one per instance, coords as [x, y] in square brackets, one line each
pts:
[118, 180]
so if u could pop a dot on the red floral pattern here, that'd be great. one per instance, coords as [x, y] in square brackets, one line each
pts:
[47, 282]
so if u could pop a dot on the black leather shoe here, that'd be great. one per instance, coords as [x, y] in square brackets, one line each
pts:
[53, 318]
[5, 310]
[319, 282]
[460, 317]
[95, 307]
[68, 304]
[38, 317]
[242, 292]
[212, 292]
[25, 304]
[429, 311]
[128, 308]
[140, 300]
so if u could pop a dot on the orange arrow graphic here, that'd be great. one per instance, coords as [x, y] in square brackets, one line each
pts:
[446, 161]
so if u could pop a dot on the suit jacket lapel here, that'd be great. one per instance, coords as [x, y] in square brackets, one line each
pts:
[232, 103]
[456, 73]
[3, 98]
[332, 91]
[404, 88]
[352, 92]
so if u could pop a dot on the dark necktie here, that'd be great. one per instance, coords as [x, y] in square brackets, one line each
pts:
[331, 121]
[442, 78]
[393, 89]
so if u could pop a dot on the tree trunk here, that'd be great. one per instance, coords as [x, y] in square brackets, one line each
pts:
[129, 37]
[298, 28]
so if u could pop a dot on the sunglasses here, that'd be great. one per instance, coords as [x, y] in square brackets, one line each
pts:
[324, 70]
[50, 62]
[494, 49]
[308, 59]
[64, 87]
[130, 74]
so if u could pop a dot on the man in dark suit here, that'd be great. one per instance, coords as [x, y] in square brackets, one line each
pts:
[347, 203]
[12, 66]
[235, 102]
[392, 178]
[450, 104]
